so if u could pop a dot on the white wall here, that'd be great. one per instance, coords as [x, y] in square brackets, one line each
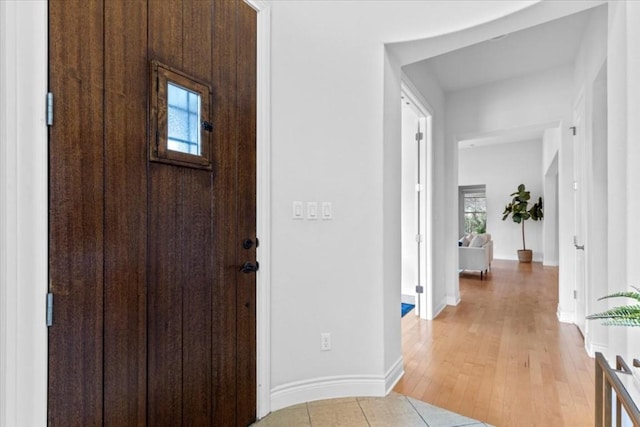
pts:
[550, 146]
[550, 150]
[502, 167]
[623, 156]
[550, 230]
[633, 133]
[335, 137]
[590, 62]
[510, 104]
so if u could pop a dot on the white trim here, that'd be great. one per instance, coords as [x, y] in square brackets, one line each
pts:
[565, 316]
[408, 299]
[441, 306]
[263, 214]
[453, 299]
[415, 96]
[592, 349]
[393, 375]
[327, 388]
[258, 6]
[425, 113]
[23, 213]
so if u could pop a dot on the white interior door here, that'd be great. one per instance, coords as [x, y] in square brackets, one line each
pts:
[579, 206]
[410, 227]
[417, 203]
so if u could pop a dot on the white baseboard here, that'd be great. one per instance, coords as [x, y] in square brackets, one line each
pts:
[565, 316]
[438, 308]
[329, 388]
[408, 299]
[453, 300]
[593, 348]
[393, 375]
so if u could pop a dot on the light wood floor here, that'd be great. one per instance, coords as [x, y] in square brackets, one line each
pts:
[501, 356]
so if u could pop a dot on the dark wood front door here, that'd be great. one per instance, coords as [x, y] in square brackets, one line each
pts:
[153, 322]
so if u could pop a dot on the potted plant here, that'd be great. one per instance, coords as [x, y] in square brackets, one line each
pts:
[626, 315]
[519, 211]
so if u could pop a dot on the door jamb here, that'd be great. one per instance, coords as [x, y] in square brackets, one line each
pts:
[23, 213]
[426, 116]
[263, 214]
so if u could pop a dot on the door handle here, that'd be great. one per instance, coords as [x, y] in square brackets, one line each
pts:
[248, 243]
[249, 267]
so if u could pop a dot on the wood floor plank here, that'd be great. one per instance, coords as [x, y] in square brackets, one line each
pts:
[501, 356]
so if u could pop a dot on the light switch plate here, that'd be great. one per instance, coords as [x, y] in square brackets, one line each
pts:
[327, 210]
[297, 210]
[312, 210]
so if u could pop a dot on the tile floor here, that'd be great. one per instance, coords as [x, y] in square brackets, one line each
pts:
[395, 410]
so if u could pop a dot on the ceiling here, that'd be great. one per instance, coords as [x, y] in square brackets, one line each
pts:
[535, 49]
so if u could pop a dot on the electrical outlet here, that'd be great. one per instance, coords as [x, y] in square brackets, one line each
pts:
[325, 341]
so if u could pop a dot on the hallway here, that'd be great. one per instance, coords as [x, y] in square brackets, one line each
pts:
[501, 356]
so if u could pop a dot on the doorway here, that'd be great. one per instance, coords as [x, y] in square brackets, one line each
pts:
[416, 143]
[151, 264]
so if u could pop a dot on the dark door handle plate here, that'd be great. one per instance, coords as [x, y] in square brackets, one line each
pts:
[249, 267]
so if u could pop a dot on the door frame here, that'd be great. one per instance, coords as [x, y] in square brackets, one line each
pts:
[24, 211]
[425, 115]
[580, 190]
[263, 214]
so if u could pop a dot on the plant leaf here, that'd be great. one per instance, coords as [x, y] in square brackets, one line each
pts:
[629, 312]
[627, 294]
[622, 322]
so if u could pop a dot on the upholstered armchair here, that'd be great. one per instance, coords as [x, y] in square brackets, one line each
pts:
[475, 253]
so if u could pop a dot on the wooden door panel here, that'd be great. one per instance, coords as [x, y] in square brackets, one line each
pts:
[125, 195]
[164, 319]
[153, 323]
[180, 303]
[246, 172]
[76, 214]
[225, 156]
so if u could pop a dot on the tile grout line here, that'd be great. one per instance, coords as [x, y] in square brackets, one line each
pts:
[363, 413]
[417, 412]
[306, 405]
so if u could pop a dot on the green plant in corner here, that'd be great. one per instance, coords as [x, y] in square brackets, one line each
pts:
[520, 211]
[627, 315]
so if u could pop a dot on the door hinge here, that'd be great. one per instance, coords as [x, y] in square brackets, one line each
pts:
[419, 136]
[49, 309]
[575, 185]
[419, 289]
[418, 187]
[49, 109]
[575, 294]
[419, 238]
[573, 130]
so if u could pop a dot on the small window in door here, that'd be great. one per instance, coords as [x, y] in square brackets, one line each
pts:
[181, 127]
